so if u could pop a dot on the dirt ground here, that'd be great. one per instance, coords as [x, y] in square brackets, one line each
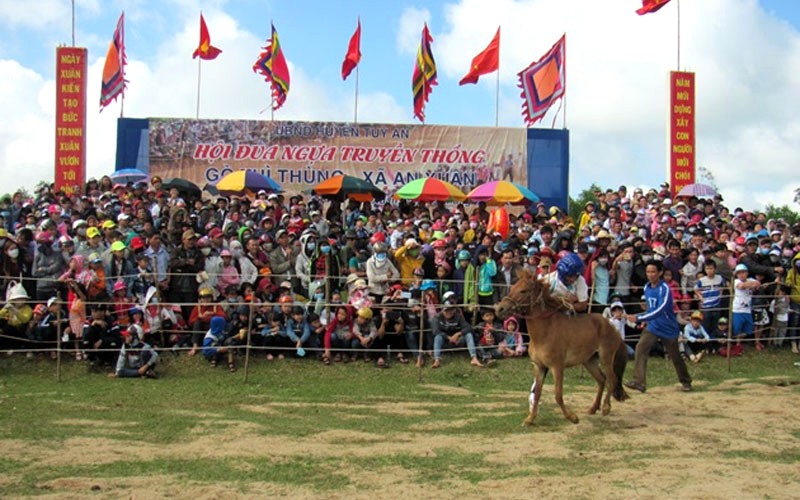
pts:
[707, 444]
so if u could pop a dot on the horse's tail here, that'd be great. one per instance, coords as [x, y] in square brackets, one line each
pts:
[620, 360]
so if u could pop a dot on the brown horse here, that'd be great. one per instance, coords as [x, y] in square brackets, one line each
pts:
[559, 341]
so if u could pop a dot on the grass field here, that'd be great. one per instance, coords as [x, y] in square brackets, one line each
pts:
[301, 429]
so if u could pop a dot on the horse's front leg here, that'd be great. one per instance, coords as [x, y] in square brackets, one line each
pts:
[558, 377]
[539, 373]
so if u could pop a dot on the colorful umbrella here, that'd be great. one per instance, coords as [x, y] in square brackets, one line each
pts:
[502, 192]
[430, 189]
[699, 190]
[126, 175]
[340, 187]
[246, 182]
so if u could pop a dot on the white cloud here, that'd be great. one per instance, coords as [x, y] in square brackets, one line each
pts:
[409, 29]
[229, 89]
[748, 70]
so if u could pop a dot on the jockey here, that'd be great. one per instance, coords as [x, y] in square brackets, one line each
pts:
[566, 282]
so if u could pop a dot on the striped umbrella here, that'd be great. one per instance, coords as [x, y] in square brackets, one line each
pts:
[501, 193]
[430, 189]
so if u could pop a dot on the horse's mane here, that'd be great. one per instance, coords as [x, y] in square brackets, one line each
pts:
[539, 291]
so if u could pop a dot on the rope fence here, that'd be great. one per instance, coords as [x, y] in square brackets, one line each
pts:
[27, 345]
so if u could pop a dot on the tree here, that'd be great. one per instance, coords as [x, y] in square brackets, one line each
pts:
[782, 212]
[576, 204]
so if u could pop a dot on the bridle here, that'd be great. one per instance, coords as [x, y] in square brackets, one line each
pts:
[519, 308]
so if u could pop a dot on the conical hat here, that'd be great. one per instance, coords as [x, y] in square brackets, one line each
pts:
[16, 291]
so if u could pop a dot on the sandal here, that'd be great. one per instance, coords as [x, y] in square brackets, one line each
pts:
[338, 358]
[402, 359]
[213, 363]
[381, 363]
[231, 367]
[436, 363]
[326, 360]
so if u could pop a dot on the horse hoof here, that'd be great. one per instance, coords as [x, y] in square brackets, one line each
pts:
[528, 421]
[592, 410]
[572, 418]
[606, 410]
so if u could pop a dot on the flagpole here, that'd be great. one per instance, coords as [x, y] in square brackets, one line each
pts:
[564, 116]
[73, 23]
[497, 97]
[679, 35]
[355, 111]
[197, 108]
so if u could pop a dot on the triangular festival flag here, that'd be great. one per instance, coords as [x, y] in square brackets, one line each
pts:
[544, 82]
[114, 68]
[424, 77]
[272, 64]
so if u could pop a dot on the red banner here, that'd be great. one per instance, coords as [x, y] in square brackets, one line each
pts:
[70, 164]
[681, 130]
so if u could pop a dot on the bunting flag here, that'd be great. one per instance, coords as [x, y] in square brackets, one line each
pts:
[272, 64]
[544, 82]
[485, 62]
[650, 6]
[205, 50]
[424, 74]
[353, 56]
[114, 67]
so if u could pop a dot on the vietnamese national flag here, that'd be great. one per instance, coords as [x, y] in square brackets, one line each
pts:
[650, 6]
[353, 56]
[205, 50]
[485, 62]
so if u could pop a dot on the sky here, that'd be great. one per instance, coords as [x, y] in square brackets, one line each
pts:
[746, 54]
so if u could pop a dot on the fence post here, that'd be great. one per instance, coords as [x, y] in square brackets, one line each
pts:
[58, 340]
[247, 347]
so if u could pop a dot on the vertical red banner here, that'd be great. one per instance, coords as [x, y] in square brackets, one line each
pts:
[70, 158]
[681, 130]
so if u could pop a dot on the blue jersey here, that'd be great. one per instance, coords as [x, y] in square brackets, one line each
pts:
[660, 314]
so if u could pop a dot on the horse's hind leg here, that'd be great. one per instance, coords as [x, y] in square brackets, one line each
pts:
[539, 373]
[558, 376]
[593, 368]
[607, 362]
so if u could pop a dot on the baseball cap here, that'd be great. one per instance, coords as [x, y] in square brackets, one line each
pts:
[92, 232]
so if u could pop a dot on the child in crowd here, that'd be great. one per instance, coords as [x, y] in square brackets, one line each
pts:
[620, 322]
[743, 288]
[512, 345]
[780, 316]
[339, 335]
[490, 336]
[216, 343]
[298, 331]
[365, 334]
[136, 358]
[694, 340]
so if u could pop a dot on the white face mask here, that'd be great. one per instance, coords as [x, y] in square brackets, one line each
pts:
[13, 253]
[205, 251]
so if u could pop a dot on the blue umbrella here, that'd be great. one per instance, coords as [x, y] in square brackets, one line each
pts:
[126, 175]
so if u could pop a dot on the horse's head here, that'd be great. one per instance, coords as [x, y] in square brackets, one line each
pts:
[522, 297]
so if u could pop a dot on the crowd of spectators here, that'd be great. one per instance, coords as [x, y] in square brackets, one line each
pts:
[120, 273]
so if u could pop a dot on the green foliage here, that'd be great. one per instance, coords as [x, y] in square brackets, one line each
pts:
[782, 212]
[576, 204]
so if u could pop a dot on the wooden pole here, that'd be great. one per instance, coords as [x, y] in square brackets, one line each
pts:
[730, 321]
[58, 340]
[421, 353]
[247, 347]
